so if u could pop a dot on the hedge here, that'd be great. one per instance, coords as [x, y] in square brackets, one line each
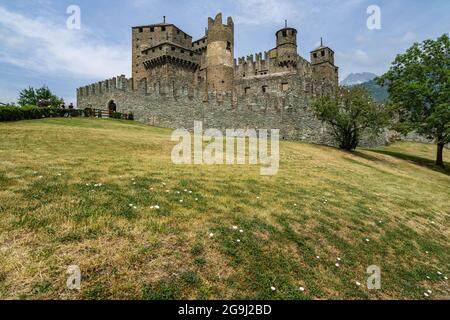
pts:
[12, 113]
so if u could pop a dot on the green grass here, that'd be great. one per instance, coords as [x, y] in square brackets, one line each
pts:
[324, 202]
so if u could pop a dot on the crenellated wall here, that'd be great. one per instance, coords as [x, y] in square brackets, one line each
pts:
[178, 107]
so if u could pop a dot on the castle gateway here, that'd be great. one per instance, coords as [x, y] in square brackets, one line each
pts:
[176, 81]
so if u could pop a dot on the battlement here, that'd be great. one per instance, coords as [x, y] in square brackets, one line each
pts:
[217, 31]
[252, 65]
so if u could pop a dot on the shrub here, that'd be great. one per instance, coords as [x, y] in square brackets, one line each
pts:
[117, 115]
[11, 113]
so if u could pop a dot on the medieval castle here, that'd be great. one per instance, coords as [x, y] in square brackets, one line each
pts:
[176, 81]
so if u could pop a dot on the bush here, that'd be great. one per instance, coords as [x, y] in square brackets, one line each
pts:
[11, 113]
[117, 115]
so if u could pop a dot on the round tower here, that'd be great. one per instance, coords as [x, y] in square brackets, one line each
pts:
[287, 42]
[220, 55]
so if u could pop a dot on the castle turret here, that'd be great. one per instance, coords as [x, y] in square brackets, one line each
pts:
[287, 42]
[220, 55]
[325, 73]
[322, 54]
[287, 48]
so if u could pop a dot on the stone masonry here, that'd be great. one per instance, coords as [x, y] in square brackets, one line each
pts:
[176, 81]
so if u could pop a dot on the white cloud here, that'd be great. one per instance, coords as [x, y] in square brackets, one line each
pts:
[408, 38]
[43, 45]
[264, 11]
[361, 57]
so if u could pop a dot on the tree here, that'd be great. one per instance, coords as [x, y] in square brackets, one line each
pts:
[351, 112]
[36, 97]
[419, 84]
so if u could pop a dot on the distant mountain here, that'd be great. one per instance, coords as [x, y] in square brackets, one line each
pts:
[367, 80]
[379, 93]
[358, 78]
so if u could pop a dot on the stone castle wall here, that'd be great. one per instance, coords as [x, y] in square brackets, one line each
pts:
[179, 107]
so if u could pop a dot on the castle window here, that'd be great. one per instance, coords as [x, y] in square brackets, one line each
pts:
[178, 31]
[141, 30]
[228, 45]
[247, 90]
[284, 87]
[182, 51]
[315, 55]
[191, 54]
[264, 89]
[323, 53]
[284, 33]
[173, 48]
[152, 29]
[160, 48]
[163, 29]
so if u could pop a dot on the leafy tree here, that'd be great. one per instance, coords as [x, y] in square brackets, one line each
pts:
[419, 84]
[351, 112]
[34, 97]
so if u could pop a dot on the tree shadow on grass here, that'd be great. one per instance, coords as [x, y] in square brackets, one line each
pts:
[424, 162]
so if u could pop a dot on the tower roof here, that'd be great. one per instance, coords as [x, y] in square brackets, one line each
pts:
[322, 46]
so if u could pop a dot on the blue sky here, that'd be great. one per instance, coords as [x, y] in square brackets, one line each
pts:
[37, 48]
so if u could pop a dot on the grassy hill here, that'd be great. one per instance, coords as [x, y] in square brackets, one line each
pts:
[387, 207]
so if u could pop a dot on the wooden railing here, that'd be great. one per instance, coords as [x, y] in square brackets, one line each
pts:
[103, 113]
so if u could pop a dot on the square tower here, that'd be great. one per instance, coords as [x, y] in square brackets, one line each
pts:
[325, 73]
